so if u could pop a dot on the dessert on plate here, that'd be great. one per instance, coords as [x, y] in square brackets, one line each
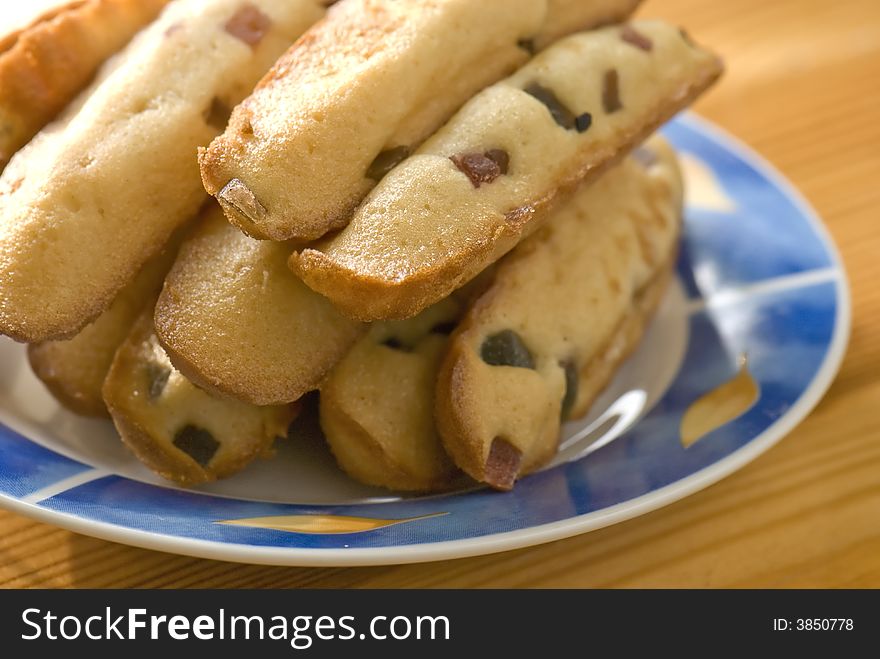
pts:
[445, 224]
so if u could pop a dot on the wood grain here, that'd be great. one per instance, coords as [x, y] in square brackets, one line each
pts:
[802, 88]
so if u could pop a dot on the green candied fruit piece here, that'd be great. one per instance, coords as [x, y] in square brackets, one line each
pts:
[506, 348]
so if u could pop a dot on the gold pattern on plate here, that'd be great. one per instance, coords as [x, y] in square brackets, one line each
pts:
[702, 187]
[720, 406]
[321, 524]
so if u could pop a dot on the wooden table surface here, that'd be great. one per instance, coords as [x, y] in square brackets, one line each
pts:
[803, 88]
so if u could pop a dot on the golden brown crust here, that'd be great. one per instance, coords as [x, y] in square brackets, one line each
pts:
[377, 405]
[369, 269]
[152, 406]
[372, 76]
[454, 384]
[237, 322]
[363, 458]
[565, 309]
[97, 193]
[76, 386]
[455, 421]
[74, 370]
[369, 298]
[171, 465]
[596, 374]
[44, 65]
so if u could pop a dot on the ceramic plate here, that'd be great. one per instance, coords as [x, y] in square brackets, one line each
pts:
[744, 345]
